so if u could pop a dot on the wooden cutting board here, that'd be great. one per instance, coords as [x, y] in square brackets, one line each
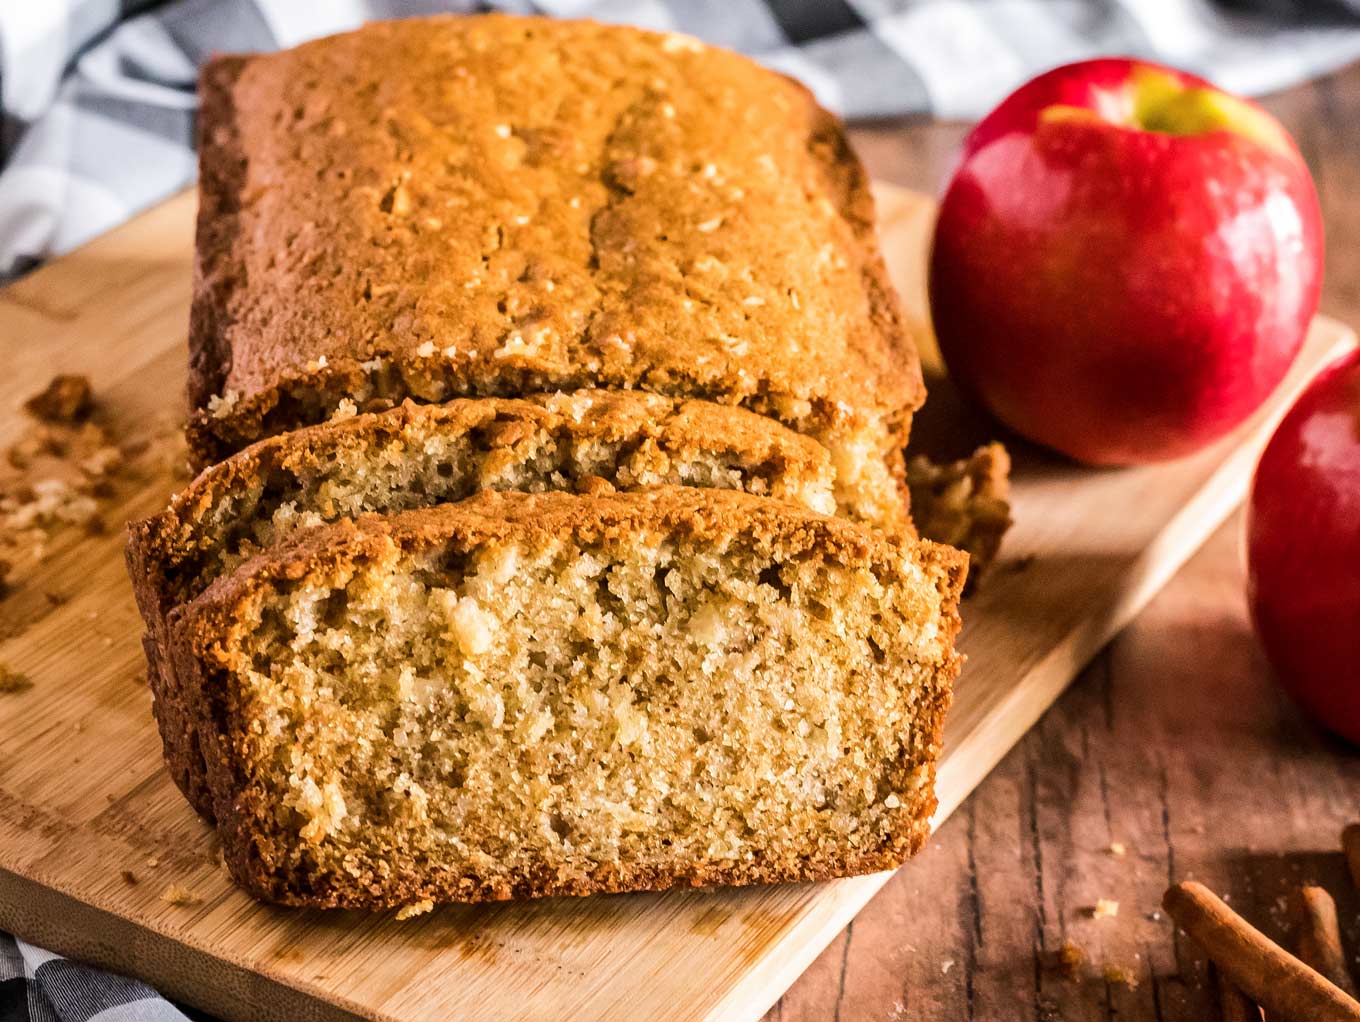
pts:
[93, 834]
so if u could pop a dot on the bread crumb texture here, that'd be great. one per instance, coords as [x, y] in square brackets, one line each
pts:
[557, 694]
[415, 455]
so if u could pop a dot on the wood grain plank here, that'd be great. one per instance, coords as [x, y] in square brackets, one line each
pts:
[83, 798]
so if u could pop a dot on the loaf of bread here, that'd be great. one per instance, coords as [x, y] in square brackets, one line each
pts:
[483, 206]
[416, 455]
[524, 695]
[552, 533]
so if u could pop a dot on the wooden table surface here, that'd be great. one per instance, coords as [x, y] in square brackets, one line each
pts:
[1172, 757]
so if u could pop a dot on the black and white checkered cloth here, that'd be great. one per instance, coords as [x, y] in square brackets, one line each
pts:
[98, 95]
[38, 986]
[97, 105]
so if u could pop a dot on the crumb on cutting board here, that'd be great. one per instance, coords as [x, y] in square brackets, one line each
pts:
[12, 681]
[1104, 908]
[1065, 961]
[416, 908]
[58, 472]
[1120, 975]
[68, 398]
[180, 896]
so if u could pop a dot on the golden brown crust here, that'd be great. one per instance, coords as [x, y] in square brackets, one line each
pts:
[202, 634]
[660, 437]
[218, 269]
[402, 212]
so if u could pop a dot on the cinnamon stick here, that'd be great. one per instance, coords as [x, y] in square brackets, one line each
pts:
[1234, 1005]
[1350, 844]
[1281, 984]
[1314, 914]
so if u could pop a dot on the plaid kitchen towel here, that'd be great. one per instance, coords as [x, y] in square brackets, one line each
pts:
[97, 105]
[97, 96]
[36, 986]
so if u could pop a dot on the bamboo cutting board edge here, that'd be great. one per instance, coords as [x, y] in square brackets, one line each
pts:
[119, 304]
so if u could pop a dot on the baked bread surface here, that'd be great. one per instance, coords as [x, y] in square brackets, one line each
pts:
[496, 206]
[565, 694]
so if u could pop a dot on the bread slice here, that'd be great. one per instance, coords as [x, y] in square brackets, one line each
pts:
[413, 456]
[524, 695]
[493, 206]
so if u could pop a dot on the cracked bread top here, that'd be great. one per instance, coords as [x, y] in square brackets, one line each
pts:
[494, 205]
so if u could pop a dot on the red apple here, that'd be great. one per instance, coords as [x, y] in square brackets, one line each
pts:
[1303, 549]
[1126, 261]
